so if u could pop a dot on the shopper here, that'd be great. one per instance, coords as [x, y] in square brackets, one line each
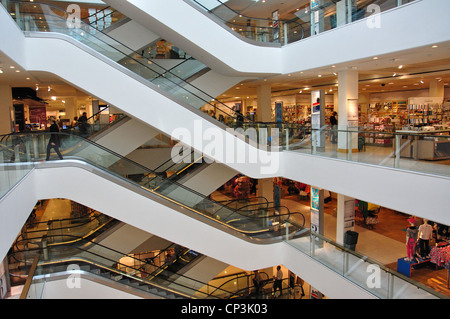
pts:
[333, 123]
[257, 282]
[425, 232]
[411, 239]
[278, 282]
[54, 141]
[239, 119]
[83, 124]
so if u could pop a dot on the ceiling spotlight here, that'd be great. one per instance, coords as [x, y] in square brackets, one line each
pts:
[400, 66]
[434, 46]
[49, 89]
[422, 82]
[1, 71]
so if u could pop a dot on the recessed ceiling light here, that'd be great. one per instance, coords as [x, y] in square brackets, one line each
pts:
[422, 82]
[1, 71]
[12, 67]
[400, 66]
[375, 58]
[434, 46]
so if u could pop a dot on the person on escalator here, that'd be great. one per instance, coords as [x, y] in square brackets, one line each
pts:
[83, 124]
[257, 282]
[54, 141]
[277, 284]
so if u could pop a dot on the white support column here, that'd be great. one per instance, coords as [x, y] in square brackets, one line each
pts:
[345, 216]
[347, 95]
[437, 89]
[6, 108]
[264, 93]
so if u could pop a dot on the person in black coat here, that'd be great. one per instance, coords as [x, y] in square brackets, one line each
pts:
[54, 141]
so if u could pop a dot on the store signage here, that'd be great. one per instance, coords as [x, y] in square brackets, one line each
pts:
[315, 209]
[314, 4]
[275, 25]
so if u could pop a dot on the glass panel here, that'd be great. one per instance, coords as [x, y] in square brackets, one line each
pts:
[420, 151]
[14, 154]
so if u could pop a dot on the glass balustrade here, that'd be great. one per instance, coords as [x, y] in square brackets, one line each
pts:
[417, 151]
[309, 18]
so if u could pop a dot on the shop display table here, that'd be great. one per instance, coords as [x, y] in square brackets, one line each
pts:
[404, 267]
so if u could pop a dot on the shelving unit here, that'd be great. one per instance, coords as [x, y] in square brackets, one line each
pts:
[427, 114]
[388, 112]
[379, 139]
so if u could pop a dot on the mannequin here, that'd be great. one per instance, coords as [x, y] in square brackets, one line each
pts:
[411, 238]
[425, 232]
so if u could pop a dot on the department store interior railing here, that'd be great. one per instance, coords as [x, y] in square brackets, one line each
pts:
[310, 17]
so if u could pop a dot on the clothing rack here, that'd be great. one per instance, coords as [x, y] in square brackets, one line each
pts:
[443, 245]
